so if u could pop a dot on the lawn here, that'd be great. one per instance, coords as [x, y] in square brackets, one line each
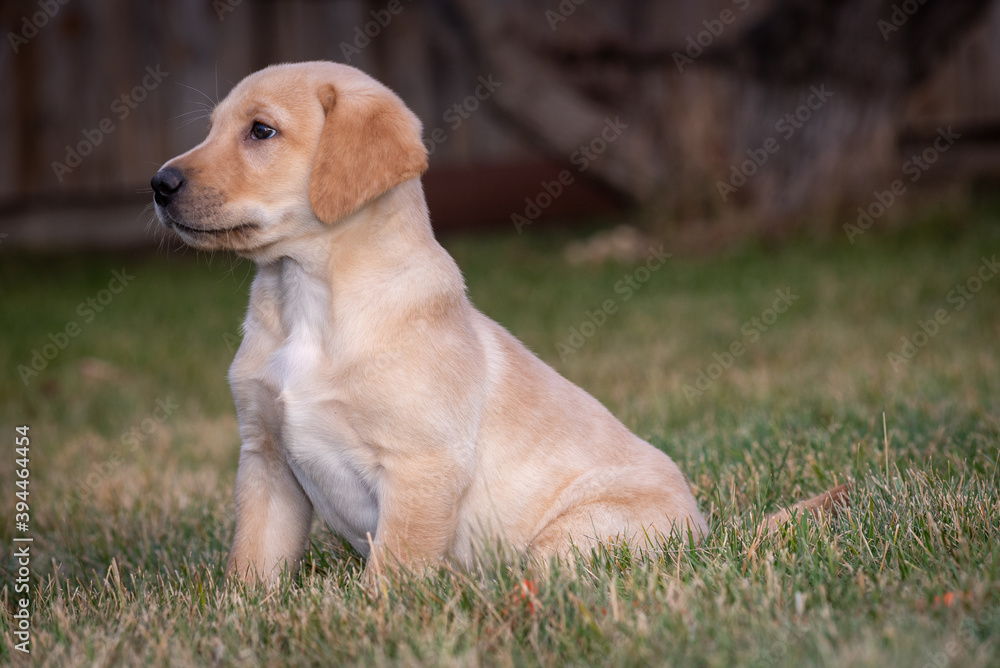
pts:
[765, 372]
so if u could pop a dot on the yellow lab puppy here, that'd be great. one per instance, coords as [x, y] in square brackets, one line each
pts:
[367, 386]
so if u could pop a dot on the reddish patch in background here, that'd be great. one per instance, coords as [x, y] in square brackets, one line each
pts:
[473, 197]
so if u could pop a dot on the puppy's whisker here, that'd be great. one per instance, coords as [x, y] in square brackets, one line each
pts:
[188, 122]
[203, 110]
[211, 102]
[246, 276]
[193, 115]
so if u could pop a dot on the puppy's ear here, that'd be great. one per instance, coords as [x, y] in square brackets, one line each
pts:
[369, 144]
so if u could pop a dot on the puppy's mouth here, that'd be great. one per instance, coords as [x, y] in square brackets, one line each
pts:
[201, 232]
[196, 231]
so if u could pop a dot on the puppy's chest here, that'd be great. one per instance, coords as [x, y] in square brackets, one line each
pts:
[296, 368]
[299, 370]
[298, 364]
[308, 412]
[311, 417]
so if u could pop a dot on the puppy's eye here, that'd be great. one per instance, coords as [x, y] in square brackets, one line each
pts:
[262, 131]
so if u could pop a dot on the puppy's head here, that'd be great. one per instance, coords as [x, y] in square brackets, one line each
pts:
[292, 147]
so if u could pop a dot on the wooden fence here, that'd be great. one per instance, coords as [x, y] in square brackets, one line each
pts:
[98, 93]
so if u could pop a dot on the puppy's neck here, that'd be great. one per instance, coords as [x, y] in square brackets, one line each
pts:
[387, 247]
[392, 231]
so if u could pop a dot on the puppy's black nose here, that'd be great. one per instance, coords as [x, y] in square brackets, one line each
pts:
[166, 183]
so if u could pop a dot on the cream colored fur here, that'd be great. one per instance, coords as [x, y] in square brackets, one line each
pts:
[368, 387]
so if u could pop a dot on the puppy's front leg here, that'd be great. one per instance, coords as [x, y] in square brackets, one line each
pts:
[418, 513]
[273, 517]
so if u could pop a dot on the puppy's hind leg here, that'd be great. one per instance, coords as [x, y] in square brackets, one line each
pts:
[593, 526]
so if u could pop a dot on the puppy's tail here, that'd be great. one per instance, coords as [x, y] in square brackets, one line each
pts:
[830, 502]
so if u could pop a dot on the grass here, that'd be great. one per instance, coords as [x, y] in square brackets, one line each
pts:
[131, 510]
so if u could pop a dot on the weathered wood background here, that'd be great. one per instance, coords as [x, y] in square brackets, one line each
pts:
[562, 66]
[74, 72]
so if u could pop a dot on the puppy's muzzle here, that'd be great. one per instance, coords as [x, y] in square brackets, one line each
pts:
[166, 183]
